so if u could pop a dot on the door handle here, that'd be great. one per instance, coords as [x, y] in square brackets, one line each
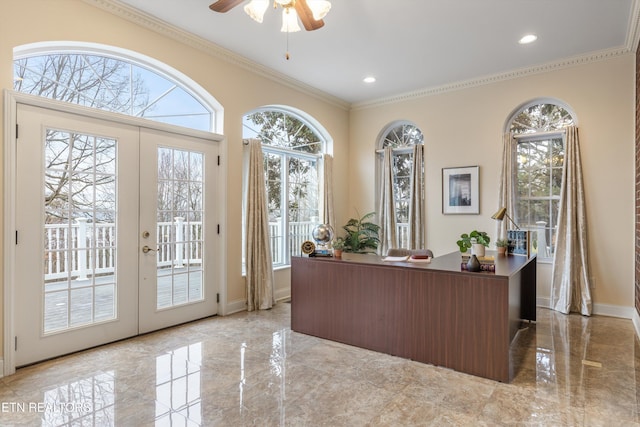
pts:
[147, 249]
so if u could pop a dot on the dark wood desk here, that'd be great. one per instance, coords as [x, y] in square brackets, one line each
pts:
[432, 313]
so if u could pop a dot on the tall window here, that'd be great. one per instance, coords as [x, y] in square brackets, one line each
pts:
[539, 158]
[107, 82]
[292, 150]
[401, 137]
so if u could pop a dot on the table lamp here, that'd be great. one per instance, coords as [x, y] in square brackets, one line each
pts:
[499, 216]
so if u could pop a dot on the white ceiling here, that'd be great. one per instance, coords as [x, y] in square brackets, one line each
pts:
[409, 45]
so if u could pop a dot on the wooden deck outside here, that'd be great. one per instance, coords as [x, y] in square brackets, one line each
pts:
[89, 307]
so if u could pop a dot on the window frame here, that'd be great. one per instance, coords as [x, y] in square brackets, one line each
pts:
[286, 154]
[407, 148]
[532, 136]
[551, 198]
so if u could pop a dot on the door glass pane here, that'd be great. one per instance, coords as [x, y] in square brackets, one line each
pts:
[179, 229]
[79, 230]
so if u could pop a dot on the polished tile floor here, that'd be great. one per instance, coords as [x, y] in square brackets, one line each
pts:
[251, 369]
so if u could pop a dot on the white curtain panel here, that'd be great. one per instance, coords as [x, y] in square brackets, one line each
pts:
[416, 207]
[327, 196]
[386, 210]
[506, 194]
[259, 279]
[570, 277]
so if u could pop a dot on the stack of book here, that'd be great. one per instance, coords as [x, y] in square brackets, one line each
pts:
[487, 263]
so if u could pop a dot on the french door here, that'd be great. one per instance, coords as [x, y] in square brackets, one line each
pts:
[178, 229]
[115, 232]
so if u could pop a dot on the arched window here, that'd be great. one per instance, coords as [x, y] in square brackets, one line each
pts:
[114, 80]
[538, 128]
[401, 137]
[292, 148]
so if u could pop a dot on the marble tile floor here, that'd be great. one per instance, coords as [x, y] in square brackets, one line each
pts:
[251, 369]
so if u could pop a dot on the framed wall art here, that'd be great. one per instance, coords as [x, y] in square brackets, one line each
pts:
[461, 190]
[519, 242]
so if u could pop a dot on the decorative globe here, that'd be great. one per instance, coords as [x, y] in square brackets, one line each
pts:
[322, 234]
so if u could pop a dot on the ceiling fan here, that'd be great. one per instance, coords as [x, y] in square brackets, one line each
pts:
[310, 12]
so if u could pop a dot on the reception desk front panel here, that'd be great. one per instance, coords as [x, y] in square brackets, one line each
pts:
[432, 313]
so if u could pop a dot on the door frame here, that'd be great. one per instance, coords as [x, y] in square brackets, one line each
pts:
[11, 101]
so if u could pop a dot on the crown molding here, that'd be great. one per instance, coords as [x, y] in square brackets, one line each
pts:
[138, 17]
[159, 26]
[494, 78]
[633, 27]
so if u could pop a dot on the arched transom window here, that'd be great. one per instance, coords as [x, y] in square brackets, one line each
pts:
[117, 84]
[540, 118]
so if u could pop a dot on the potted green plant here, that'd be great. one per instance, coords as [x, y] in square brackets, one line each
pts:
[338, 246]
[501, 245]
[478, 238]
[362, 234]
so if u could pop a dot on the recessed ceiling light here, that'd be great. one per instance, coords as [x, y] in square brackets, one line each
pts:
[369, 79]
[529, 38]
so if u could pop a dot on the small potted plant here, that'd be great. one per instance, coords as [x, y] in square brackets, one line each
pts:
[477, 240]
[338, 245]
[501, 245]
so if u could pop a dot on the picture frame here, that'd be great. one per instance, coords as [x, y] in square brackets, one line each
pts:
[519, 242]
[461, 190]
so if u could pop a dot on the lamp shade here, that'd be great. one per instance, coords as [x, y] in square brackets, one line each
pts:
[289, 20]
[500, 214]
[256, 9]
[319, 8]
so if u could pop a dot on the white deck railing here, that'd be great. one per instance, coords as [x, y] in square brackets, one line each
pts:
[298, 233]
[84, 249]
[179, 242]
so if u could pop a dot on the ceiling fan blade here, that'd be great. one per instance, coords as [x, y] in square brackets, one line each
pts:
[306, 16]
[224, 5]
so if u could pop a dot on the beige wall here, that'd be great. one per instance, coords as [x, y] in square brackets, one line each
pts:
[238, 90]
[461, 128]
[464, 128]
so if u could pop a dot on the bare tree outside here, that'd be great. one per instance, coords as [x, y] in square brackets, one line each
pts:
[93, 81]
[79, 184]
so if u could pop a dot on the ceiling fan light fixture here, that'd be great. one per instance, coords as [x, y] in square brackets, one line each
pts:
[319, 8]
[289, 20]
[256, 9]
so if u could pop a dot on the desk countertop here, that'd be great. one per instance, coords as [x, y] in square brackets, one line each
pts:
[506, 265]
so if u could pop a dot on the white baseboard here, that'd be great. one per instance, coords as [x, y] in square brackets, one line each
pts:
[1, 368]
[283, 295]
[614, 311]
[543, 302]
[600, 309]
[241, 305]
[235, 307]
